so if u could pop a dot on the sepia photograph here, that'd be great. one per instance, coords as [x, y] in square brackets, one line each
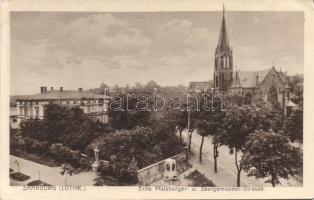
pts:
[162, 100]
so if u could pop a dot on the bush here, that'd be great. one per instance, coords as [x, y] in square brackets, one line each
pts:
[199, 180]
[38, 182]
[19, 176]
[64, 154]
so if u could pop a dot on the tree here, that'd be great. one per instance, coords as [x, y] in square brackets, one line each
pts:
[67, 170]
[208, 124]
[236, 126]
[192, 118]
[180, 120]
[240, 121]
[269, 155]
[294, 126]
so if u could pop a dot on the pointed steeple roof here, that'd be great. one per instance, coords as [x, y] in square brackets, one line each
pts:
[223, 42]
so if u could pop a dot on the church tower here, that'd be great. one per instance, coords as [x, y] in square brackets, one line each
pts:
[223, 60]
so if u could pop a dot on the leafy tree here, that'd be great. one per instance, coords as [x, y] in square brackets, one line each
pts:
[67, 170]
[269, 155]
[180, 121]
[240, 121]
[65, 125]
[207, 124]
[294, 126]
[237, 100]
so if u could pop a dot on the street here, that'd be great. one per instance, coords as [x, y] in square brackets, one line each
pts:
[50, 175]
[227, 172]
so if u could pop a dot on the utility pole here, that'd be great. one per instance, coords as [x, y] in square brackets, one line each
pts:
[189, 131]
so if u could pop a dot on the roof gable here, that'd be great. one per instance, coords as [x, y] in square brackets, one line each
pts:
[247, 79]
[273, 71]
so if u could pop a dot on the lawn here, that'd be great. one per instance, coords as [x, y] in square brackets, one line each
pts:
[18, 176]
[38, 183]
[199, 180]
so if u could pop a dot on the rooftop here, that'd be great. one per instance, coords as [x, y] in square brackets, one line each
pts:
[57, 95]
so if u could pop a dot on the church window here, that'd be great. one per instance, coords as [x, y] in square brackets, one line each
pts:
[272, 95]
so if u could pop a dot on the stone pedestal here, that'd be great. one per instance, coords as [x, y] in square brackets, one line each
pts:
[95, 166]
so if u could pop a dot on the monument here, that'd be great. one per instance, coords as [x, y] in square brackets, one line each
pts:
[96, 164]
[170, 173]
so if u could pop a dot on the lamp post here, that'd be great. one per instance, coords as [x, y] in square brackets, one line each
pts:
[18, 165]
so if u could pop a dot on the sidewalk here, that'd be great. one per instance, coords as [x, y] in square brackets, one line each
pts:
[227, 172]
[50, 175]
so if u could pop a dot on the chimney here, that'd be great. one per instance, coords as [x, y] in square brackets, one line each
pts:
[257, 79]
[43, 89]
[80, 89]
[51, 88]
[61, 89]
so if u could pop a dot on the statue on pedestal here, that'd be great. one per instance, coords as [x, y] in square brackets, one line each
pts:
[96, 164]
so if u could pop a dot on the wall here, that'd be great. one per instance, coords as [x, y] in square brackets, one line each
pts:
[154, 172]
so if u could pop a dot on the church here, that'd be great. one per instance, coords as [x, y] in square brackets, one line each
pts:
[269, 84]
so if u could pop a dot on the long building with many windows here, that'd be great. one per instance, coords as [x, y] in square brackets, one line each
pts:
[93, 105]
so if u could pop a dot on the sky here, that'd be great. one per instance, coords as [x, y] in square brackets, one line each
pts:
[83, 49]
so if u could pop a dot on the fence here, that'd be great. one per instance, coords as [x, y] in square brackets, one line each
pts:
[154, 172]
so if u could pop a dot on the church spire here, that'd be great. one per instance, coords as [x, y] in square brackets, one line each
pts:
[223, 43]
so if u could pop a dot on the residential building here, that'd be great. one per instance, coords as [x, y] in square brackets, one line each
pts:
[93, 105]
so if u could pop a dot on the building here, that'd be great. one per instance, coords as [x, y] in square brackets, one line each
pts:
[269, 85]
[33, 106]
[223, 71]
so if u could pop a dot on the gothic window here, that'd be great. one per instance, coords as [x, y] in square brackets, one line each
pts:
[230, 62]
[216, 81]
[272, 95]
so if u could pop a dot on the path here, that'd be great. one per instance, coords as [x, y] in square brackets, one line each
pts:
[50, 175]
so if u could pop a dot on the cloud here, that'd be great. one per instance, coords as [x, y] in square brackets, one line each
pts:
[83, 49]
[100, 34]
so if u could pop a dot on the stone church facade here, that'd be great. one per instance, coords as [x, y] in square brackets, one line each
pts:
[269, 85]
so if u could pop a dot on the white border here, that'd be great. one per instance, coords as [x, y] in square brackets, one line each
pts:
[7, 192]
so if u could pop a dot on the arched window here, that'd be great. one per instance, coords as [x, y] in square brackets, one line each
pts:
[272, 95]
